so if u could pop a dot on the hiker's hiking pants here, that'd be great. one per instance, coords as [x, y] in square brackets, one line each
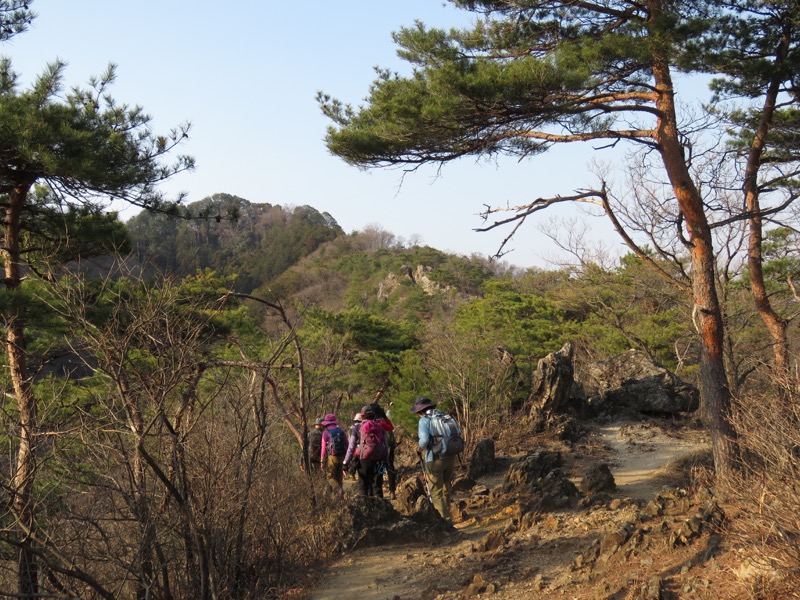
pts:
[333, 473]
[369, 478]
[440, 479]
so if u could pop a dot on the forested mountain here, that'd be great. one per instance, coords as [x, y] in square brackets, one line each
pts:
[301, 257]
[231, 236]
[155, 420]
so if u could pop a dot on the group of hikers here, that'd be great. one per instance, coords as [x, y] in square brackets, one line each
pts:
[368, 450]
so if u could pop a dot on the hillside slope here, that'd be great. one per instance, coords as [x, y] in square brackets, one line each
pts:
[655, 537]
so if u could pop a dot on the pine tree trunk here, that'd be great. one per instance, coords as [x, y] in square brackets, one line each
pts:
[714, 391]
[24, 474]
[776, 325]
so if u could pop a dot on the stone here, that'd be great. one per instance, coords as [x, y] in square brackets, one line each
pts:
[532, 467]
[408, 492]
[598, 479]
[632, 382]
[613, 541]
[552, 383]
[483, 459]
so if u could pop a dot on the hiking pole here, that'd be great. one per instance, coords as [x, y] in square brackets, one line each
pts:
[425, 478]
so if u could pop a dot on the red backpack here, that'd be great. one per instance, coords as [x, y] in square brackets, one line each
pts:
[370, 438]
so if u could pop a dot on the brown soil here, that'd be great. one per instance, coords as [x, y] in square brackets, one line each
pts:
[619, 547]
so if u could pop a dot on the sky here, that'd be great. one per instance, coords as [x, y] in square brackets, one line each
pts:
[245, 75]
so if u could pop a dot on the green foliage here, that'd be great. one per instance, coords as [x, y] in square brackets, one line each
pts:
[15, 17]
[366, 332]
[527, 324]
[58, 234]
[87, 145]
[526, 76]
[627, 307]
[781, 261]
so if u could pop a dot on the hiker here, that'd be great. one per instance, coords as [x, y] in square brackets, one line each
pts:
[332, 452]
[368, 447]
[350, 463]
[314, 447]
[391, 444]
[439, 461]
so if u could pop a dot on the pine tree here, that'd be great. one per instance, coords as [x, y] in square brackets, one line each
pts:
[86, 150]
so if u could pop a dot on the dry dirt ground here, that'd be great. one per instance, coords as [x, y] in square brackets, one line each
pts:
[654, 537]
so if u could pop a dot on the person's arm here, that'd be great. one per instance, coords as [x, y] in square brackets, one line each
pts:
[424, 433]
[387, 424]
[351, 445]
[323, 452]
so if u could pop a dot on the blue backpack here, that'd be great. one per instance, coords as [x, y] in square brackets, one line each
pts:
[337, 442]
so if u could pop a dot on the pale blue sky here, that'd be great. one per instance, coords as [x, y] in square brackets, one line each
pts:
[245, 75]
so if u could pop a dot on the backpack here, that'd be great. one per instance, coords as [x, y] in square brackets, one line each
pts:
[447, 437]
[391, 442]
[371, 441]
[314, 444]
[337, 442]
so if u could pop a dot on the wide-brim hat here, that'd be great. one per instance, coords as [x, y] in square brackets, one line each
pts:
[329, 419]
[421, 404]
[357, 417]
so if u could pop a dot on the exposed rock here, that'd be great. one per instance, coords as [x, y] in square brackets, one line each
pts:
[67, 363]
[532, 468]
[369, 521]
[483, 459]
[613, 541]
[566, 428]
[463, 483]
[492, 541]
[597, 479]
[539, 477]
[649, 590]
[632, 382]
[419, 276]
[408, 492]
[709, 519]
[554, 491]
[552, 383]
[653, 509]
[387, 286]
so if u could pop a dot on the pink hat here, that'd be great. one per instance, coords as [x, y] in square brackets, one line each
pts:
[329, 419]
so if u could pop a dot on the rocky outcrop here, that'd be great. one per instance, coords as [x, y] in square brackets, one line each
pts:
[368, 521]
[598, 479]
[632, 382]
[539, 478]
[552, 383]
[418, 276]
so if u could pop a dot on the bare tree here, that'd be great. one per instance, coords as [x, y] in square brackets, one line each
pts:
[174, 449]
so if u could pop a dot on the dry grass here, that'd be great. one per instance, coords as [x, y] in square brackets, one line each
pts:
[692, 470]
[767, 492]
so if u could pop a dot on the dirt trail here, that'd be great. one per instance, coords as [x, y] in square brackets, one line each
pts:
[634, 451]
[640, 451]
